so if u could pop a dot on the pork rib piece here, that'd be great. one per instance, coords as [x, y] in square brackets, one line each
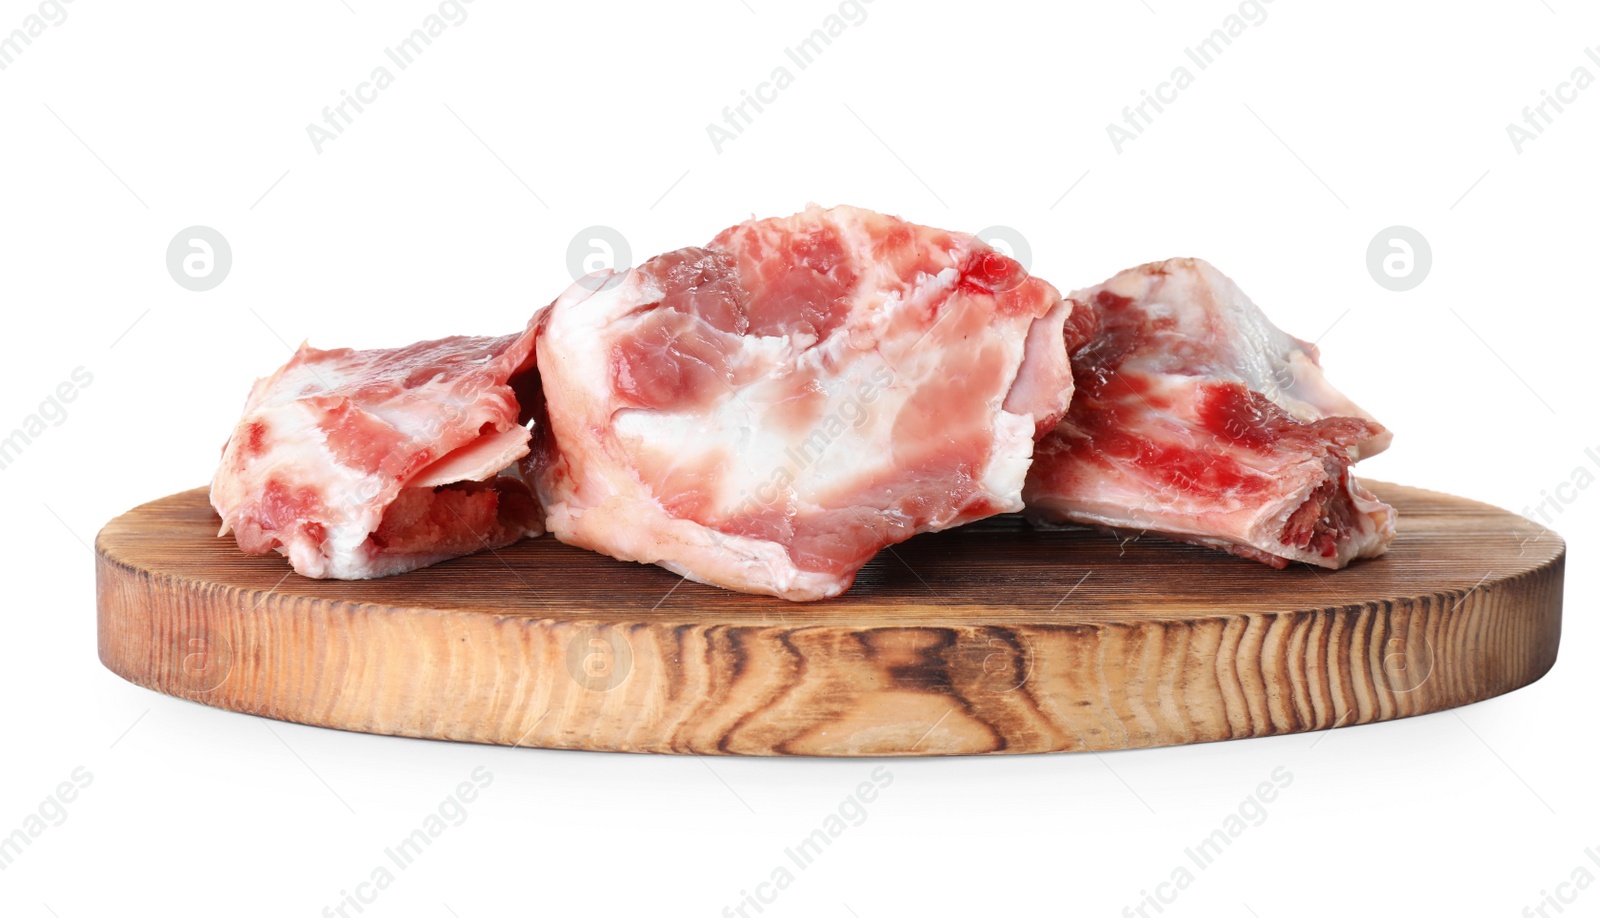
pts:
[767, 412]
[358, 464]
[1197, 419]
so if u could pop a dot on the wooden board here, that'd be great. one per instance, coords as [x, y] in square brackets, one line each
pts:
[992, 638]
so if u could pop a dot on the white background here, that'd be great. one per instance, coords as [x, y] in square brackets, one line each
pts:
[448, 207]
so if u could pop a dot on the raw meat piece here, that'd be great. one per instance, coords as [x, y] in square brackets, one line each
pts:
[358, 464]
[1197, 419]
[767, 412]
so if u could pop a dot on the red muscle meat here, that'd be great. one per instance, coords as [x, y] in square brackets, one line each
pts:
[358, 464]
[767, 412]
[1195, 418]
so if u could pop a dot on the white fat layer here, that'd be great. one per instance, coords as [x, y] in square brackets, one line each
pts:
[864, 393]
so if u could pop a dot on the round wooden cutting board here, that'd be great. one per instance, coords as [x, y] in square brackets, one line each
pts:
[992, 638]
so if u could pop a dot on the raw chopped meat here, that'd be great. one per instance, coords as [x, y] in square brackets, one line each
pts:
[767, 412]
[1197, 419]
[358, 464]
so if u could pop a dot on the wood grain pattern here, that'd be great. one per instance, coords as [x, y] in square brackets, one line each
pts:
[992, 638]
